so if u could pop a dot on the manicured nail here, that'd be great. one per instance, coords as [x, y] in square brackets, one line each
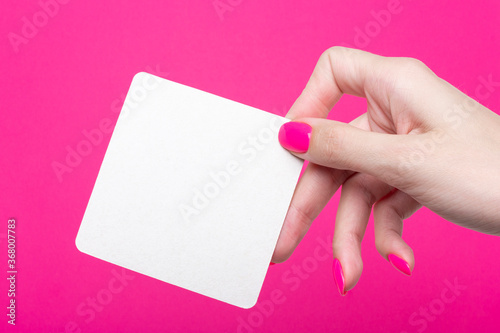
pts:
[271, 263]
[295, 136]
[338, 276]
[399, 264]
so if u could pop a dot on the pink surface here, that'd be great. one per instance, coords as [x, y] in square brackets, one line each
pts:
[67, 77]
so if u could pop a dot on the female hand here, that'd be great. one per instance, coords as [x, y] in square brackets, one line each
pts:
[420, 142]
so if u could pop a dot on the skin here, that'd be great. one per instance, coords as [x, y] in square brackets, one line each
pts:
[421, 142]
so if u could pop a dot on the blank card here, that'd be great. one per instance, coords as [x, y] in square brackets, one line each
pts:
[193, 191]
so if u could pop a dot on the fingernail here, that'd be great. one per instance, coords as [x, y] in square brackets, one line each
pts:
[271, 263]
[295, 136]
[399, 264]
[338, 276]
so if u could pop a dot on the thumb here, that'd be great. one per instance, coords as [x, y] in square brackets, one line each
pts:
[342, 146]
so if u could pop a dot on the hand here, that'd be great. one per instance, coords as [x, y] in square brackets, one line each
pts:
[421, 142]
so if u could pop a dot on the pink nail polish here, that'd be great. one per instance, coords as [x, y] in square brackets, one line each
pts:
[399, 264]
[338, 276]
[295, 136]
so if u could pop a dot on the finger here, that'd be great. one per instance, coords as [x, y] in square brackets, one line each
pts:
[389, 214]
[359, 193]
[315, 188]
[343, 146]
[333, 75]
[384, 81]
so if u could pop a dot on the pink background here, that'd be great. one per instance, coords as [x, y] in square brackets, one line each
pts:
[73, 73]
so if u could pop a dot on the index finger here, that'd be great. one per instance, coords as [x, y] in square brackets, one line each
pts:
[339, 70]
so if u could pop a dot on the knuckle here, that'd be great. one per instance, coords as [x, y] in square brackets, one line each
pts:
[329, 141]
[333, 51]
[411, 66]
[354, 238]
[406, 73]
[361, 184]
[335, 54]
[347, 241]
[303, 217]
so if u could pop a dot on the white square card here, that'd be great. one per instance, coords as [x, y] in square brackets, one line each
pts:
[193, 191]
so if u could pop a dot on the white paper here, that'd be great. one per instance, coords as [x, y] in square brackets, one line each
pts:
[146, 213]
